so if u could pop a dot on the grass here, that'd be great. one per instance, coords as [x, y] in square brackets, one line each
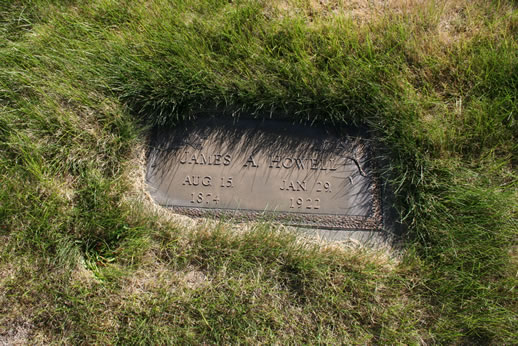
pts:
[84, 259]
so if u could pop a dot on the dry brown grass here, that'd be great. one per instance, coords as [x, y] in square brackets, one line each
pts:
[449, 21]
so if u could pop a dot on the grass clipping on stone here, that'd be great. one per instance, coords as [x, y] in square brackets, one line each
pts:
[84, 258]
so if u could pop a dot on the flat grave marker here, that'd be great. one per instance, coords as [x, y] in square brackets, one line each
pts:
[249, 169]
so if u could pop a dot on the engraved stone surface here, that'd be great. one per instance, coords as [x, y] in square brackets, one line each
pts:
[249, 169]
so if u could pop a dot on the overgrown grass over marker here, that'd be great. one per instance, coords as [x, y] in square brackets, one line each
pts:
[82, 261]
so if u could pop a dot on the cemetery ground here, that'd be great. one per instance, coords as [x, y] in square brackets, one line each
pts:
[85, 258]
